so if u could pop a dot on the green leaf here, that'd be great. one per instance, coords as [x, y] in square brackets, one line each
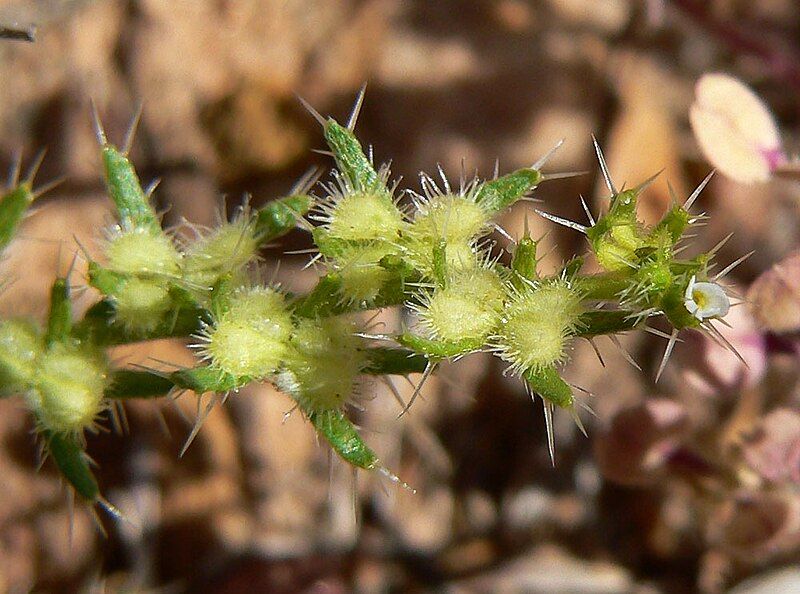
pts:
[205, 379]
[12, 210]
[71, 460]
[498, 194]
[350, 157]
[100, 326]
[130, 383]
[437, 349]
[133, 207]
[524, 260]
[600, 322]
[278, 217]
[548, 384]
[343, 437]
[59, 320]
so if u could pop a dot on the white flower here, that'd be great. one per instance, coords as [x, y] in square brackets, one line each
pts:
[706, 300]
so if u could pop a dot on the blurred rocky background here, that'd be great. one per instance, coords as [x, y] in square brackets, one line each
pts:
[691, 485]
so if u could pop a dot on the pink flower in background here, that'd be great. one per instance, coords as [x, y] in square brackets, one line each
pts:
[735, 129]
[773, 451]
[774, 297]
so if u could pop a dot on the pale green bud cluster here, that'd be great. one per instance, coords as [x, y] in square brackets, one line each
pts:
[467, 308]
[456, 220]
[154, 276]
[361, 226]
[144, 260]
[20, 347]
[228, 249]
[650, 276]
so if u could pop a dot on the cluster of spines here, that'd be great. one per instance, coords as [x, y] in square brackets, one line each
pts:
[644, 274]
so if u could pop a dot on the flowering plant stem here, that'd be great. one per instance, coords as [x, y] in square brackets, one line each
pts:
[431, 257]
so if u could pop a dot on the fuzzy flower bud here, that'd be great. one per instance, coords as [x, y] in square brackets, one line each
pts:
[228, 248]
[140, 250]
[362, 275]
[466, 309]
[536, 325]
[617, 235]
[453, 217]
[249, 339]
[323, 364]
[20, 345]
[68, 390]
[364, 215]
[141, 304]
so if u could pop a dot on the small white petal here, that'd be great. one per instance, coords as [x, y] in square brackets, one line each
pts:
[706, 300]
[689, 289]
